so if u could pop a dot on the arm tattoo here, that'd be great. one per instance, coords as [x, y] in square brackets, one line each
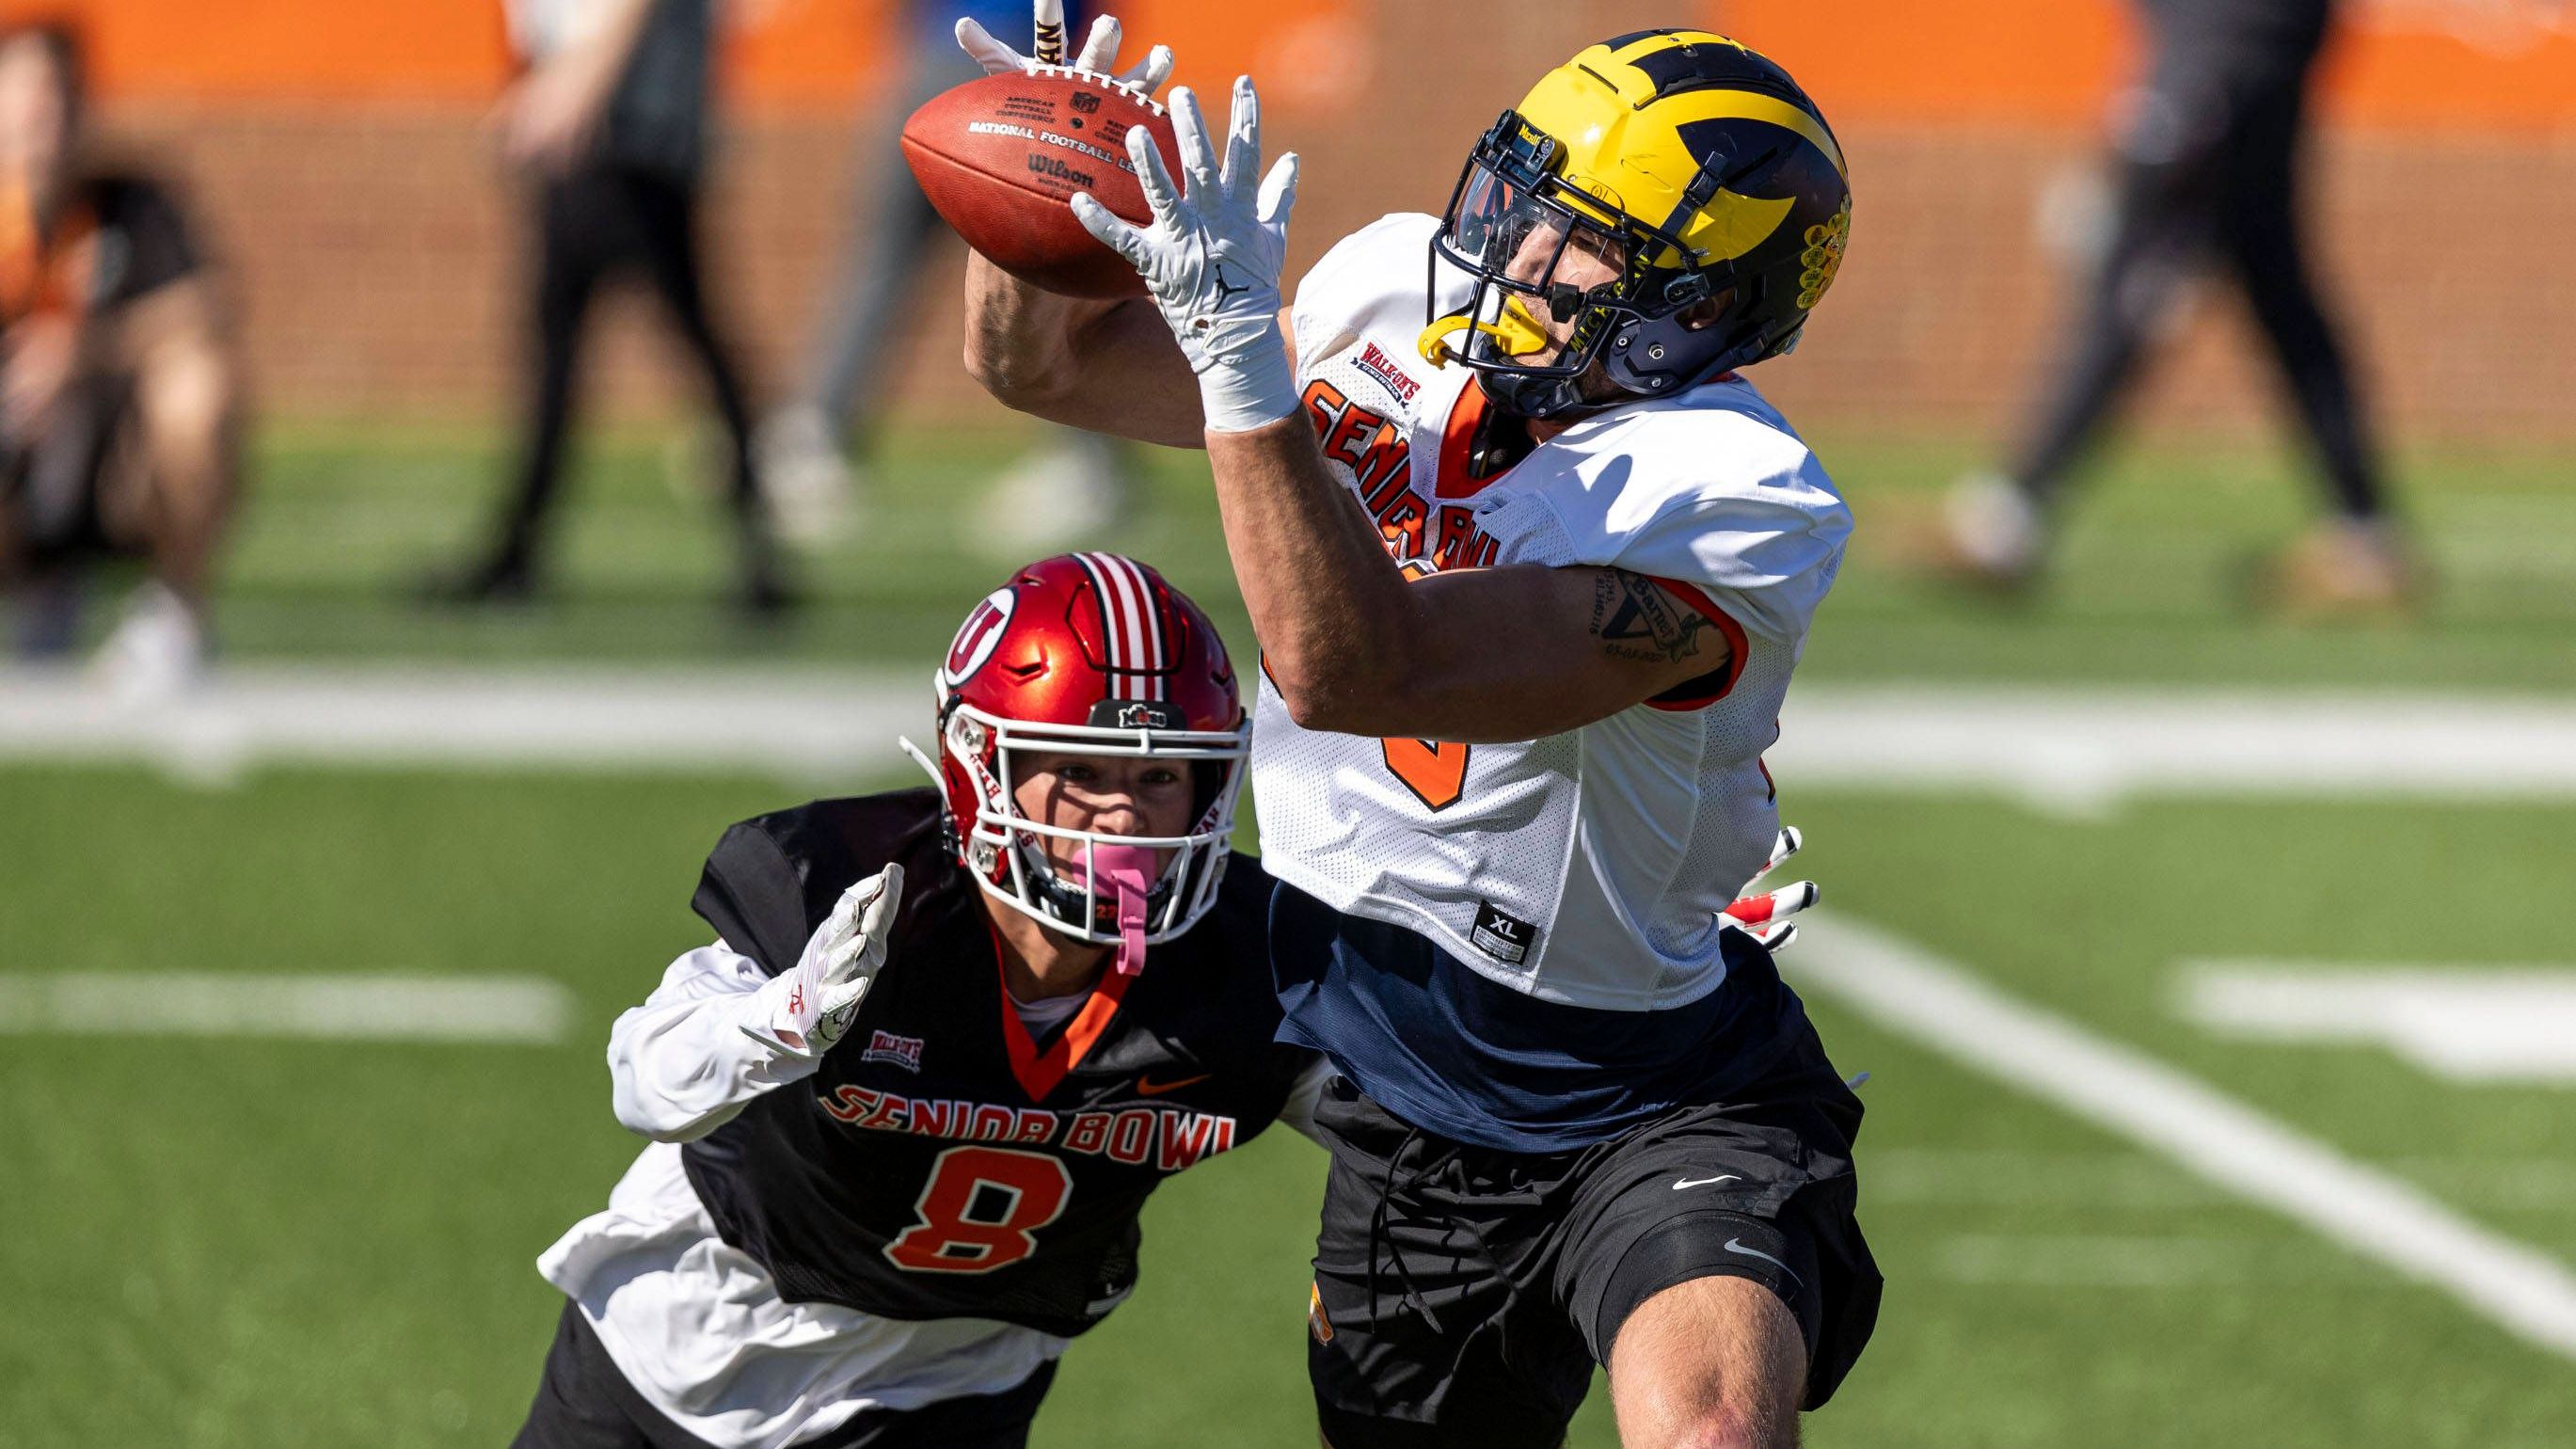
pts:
[1634, 618]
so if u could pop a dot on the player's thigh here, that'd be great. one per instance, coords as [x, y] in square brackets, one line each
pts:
[1760, 1191]
[1430, 1323]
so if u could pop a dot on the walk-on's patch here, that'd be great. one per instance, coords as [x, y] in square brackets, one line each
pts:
[509, 1010]
[2469, 1024]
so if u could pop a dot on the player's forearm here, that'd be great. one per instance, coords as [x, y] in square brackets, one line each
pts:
[1020, 340]
[1107, 366]
[1328, 605]
[682, 1064]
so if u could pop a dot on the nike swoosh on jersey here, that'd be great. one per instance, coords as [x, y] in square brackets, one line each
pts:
[1148, 1087]
[1702, 1181]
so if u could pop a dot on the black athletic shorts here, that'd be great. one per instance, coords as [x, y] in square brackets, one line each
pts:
[585, 1402]
[1462, 1294]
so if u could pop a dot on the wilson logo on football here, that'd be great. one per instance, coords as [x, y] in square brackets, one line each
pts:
[981, 635]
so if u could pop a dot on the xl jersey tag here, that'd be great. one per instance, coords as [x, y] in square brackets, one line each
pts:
[1507, 939]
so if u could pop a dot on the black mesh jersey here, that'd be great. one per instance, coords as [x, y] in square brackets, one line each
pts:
[930, 1170]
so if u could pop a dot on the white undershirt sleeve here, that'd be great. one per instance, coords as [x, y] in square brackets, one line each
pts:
[682, 1063]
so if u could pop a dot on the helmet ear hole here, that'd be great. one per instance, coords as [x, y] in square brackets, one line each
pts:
[1705, 313]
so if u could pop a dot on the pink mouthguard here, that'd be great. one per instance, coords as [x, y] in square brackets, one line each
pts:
[1128, 872]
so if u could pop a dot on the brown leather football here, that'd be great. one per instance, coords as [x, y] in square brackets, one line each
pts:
[1000, 156]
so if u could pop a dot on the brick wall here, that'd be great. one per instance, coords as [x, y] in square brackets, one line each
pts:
[378, 256]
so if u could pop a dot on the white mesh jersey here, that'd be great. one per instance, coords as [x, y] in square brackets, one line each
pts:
[1586, 868]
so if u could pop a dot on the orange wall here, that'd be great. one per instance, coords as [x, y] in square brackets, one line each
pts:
[2447, 65]
[299, 49]
[2451, 65]
[781, 54]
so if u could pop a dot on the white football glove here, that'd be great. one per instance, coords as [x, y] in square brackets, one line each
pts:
[1767, 915]
[1212, 259]
[1099, 50]
[808, 1010]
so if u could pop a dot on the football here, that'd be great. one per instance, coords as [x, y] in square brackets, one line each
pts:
[1000, 156]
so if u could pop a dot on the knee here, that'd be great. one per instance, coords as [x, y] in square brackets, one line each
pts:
[1714, 1363]
[1726, 1430]
[1724, 1423]
[187, 393]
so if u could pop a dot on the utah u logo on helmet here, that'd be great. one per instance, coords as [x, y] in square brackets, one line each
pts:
[1087, 654]
[1689, 171]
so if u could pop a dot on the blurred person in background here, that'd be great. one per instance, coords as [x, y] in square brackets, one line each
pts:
[1075, 484]
[611, 120]
[119, 388]
[2208, 173]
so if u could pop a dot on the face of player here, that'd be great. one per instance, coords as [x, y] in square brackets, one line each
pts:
[1587, 260]
[33, 123]
[1109, 794]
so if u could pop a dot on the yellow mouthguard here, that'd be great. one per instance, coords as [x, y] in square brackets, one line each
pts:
[1518, 332]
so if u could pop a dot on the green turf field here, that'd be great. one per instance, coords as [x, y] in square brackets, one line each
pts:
[2156, 564]
[241, 1243]
[232, 1242]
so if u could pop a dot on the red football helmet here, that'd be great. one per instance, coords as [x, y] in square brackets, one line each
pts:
[1087, 653]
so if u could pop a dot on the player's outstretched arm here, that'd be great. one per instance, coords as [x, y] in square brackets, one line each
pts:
[1110, 367]
[681, 1065]
[1491, 654]
[1475, 655]
[719, 1031]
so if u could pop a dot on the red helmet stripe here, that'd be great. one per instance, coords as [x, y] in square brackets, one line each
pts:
[1113, 633]
[1108, 616]
[1129, 625]
[1158, 656]
[1149, 625]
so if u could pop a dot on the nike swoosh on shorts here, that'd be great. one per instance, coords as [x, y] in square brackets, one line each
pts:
[1736, 1245]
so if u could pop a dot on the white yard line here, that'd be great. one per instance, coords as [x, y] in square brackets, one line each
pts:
[511, 1010]
[799, 724]
[2066, 750]
[1910, 992]
[2469, 1023]
[2080, 751]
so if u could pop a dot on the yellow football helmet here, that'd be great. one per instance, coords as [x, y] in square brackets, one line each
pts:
[1690, 172]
